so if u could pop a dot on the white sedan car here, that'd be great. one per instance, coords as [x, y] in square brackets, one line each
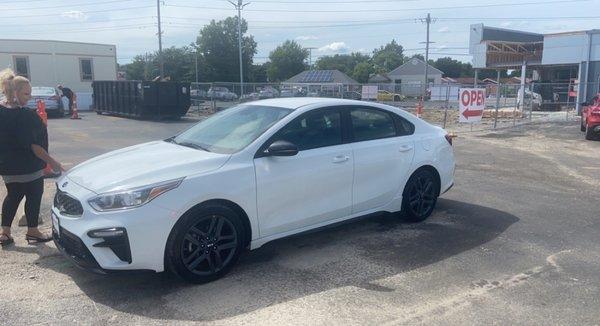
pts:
[248, 175]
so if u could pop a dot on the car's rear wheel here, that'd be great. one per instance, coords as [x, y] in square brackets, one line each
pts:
[589, 133]
[205, 244]
[419, 196]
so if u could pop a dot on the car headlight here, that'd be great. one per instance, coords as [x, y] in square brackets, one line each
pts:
[131, 198]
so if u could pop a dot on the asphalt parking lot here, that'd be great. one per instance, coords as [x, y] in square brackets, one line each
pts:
[514, 242]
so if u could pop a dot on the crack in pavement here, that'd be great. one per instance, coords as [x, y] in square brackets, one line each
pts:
[429, 310]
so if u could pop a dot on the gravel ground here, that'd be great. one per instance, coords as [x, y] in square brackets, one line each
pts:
[514, 242]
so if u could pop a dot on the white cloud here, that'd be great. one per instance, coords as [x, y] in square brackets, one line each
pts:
[75, 14]
[444, 29]
[338, 47]
[513, 24]
[306, 38]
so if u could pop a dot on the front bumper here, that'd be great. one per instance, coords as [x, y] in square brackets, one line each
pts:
[146, 230]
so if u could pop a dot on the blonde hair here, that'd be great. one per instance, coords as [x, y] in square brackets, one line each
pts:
[10, 84]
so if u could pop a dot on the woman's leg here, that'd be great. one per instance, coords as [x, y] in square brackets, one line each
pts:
[14, 195]
[33, 200]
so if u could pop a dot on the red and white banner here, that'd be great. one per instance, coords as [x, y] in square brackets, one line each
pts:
[471, 104]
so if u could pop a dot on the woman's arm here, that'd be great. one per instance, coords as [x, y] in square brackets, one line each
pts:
[41, 153]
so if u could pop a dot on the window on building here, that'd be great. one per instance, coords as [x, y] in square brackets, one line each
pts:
[86, 69]
[22, 66]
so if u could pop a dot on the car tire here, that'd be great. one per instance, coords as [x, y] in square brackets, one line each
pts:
[589, 133]
[419, 196]
[582, 128]
[205, 244]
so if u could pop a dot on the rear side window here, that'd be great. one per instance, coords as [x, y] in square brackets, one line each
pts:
[403, 126]
[368, 124]
[313, 130]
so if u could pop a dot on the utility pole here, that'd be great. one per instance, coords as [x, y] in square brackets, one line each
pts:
[240, 6]
[310, 66]
[160, 56]
[428, 21]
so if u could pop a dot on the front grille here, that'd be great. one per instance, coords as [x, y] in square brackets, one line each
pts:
[67, 205]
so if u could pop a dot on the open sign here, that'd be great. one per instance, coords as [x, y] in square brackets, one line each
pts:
[472, 104]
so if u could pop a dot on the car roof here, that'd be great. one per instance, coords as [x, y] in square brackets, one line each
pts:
[298, 102]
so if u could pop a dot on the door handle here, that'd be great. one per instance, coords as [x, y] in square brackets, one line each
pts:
[405, 148]
[341, 159]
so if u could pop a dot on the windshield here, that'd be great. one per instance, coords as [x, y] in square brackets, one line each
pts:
[42, 91]
[231, 130]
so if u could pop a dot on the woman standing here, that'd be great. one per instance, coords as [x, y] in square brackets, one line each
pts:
[23, 156]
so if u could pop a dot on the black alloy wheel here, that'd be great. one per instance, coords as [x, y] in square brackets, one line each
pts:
[420, 196]
[205, 243]
[209, 245]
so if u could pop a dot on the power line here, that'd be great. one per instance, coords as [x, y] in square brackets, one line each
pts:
[67, 6]
[392, 10]
[89, 22]
[82, 12]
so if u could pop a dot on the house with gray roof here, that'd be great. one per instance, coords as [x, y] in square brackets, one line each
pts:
[408, 78]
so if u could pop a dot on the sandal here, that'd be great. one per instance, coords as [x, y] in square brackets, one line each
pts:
[31, 239]
[7, 241]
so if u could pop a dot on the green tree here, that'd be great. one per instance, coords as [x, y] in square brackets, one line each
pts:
[218, 45]
[258, 73]
[388, 57]
[345, 63]
[287, 60]
[362, 72]
[453, 68]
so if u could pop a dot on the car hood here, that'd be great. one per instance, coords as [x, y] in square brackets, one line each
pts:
[142, 165]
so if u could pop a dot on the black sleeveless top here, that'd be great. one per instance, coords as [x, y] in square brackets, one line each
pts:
[19, 129]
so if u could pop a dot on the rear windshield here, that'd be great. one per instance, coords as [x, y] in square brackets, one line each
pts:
[42, 91]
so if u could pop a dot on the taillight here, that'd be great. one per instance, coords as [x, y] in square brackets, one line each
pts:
[449, 138]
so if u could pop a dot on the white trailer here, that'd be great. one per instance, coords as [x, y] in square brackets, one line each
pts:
[49, 63]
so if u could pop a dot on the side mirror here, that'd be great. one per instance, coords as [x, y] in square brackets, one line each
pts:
[282, 148]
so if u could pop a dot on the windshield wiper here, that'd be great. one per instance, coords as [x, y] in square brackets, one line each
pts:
[191, 145]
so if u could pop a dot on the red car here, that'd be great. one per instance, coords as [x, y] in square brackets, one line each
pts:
[590, 119]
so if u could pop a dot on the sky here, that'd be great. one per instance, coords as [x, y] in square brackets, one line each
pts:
[328, 26]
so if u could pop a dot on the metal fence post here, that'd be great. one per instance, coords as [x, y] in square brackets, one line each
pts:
[497, 100]
[212, 97]
[530, 105]
[447, 104]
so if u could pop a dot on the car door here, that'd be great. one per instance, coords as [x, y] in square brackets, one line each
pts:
[383, 148]
[311, 187]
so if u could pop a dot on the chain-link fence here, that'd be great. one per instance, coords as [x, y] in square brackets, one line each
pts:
[506, 104]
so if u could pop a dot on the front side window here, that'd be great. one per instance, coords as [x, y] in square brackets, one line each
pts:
[86, 69]
[22, 66]
[231, 130]
[368, 124]
[316, 129]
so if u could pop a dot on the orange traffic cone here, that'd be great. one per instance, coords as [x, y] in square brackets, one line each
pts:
[420, 108]
[41, 111]
[75, 115]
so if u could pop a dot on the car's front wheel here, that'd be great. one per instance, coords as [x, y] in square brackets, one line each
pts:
[205, 244]
[419, 196]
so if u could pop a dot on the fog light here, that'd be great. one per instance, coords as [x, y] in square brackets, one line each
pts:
[107, 233]
[115, 239]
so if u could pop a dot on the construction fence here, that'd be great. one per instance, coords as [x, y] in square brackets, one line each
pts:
[506, 104]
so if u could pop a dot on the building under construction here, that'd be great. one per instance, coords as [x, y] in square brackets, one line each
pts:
[566, 66]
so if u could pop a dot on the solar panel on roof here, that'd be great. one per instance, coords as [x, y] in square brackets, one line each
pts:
[318, 76]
